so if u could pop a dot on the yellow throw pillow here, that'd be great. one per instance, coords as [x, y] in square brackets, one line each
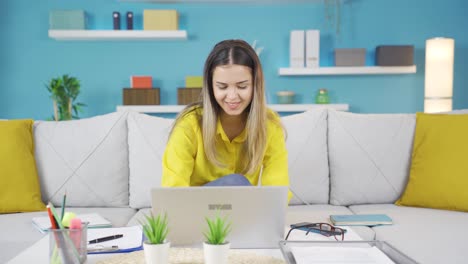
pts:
[439, 167]
[19, 183]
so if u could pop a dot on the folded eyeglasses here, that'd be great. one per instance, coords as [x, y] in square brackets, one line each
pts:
[324, 229]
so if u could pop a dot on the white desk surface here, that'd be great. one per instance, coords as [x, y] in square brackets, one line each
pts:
[39, 253]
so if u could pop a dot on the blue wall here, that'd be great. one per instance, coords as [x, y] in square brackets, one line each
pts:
[28, 58]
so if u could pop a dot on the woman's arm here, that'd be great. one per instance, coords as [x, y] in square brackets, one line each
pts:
[275, 161]
[179, 156]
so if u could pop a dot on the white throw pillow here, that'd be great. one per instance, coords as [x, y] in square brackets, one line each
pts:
[147, 138]
[87, 159]
[370, 156]
[307, 156]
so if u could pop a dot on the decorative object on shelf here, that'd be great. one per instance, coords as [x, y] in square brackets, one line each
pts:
[285, 97]
[129, 20]
[394, 55]
[156, 247]
[187, 96]
[193, 81]
[438, 79]
[296, 49]
[67, 19]
[312, 48]
[116, 20]
[322, 97]
[141, 81]
[154, 19]
[63, 91]
[350, 57]
[216, 248]
[145, 96]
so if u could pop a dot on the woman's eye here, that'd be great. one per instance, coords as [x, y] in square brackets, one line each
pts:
[242, 87]
[222, 87]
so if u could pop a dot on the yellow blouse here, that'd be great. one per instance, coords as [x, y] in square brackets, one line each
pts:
[185, 163]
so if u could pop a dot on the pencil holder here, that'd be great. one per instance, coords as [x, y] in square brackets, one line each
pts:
[68, 245]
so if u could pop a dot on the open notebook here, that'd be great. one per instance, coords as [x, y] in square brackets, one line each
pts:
[95, 220]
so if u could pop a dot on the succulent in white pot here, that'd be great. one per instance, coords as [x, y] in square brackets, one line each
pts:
[216, 247]
[156, 248]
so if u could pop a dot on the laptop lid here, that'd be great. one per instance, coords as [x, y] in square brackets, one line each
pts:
[257, 213]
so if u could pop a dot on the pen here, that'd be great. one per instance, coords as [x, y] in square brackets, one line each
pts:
[63, 206]
[103, 239]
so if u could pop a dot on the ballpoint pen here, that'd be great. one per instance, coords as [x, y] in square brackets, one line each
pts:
[103, 239]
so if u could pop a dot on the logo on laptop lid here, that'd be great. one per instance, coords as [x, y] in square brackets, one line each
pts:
[220, 207]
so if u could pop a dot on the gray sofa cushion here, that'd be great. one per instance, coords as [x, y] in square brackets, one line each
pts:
[307, 156]
[427, 235]
[83, 158]
[320, 213]
[369, 155]
[147, 137]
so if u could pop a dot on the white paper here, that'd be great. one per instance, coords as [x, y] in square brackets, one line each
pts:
[345, 255]
[132, 237]
[95, 220]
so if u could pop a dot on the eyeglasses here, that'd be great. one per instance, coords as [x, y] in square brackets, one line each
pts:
[324, 229]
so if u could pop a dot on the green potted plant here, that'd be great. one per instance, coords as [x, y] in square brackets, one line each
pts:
[63, 91]
[156, 248]
[216, 247]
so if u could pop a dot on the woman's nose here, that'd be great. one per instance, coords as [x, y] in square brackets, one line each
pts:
[232, 93]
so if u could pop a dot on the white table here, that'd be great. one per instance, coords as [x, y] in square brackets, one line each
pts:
[39, 253]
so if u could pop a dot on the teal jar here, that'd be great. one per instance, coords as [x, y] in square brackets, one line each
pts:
[285, 97]
[322, 97]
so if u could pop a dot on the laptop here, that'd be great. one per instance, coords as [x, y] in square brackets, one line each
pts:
[257, 213]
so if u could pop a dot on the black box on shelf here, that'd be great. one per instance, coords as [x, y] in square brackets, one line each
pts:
[394, 55]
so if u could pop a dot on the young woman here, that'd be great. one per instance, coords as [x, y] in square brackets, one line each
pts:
[230, 137]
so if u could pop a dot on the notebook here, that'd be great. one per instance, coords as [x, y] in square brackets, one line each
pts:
[95, 220]
[257, 213]
[361, 219]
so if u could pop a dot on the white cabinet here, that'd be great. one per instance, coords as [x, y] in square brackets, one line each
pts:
[283, 108]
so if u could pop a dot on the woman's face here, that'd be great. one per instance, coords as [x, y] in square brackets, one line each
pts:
[233, 88]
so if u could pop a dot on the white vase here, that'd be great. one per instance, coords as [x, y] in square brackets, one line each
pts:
[156, 253]
[216, 254]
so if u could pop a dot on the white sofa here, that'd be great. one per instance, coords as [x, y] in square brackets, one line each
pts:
[339, 163]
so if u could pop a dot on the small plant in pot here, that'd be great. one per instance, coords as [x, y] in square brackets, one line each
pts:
[63, 91]
[156, 248]
[216, 248]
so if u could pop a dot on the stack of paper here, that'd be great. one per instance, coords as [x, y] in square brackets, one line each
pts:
[355, 255]
[95, 220]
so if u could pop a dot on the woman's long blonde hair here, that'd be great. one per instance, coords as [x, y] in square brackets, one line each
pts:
[236, 52]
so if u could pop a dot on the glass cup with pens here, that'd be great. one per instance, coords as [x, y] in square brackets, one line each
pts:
[68, 245]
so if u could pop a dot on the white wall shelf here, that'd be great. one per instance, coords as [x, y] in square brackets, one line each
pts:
[277, 107]
[118, 34]
[364, 70]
